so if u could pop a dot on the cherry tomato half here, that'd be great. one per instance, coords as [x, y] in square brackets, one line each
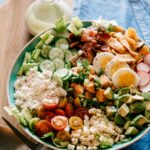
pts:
[59, 122]
[50, 106]
[49, 115]
[77, 102]
[63, 135]
[69, 110]
[59, 112]
[62, 103]
[75, 123]
[42, 127]
[81, 111]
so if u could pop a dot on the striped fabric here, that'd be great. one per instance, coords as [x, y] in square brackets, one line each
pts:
[135, 13]
[127, 13]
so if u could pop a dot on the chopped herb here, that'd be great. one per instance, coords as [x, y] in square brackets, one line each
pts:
[47, 135]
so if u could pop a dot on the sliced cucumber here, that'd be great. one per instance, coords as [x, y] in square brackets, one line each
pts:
[62, 43]
[45, 50]
[68, 55]
[62, 72]
[26, 114]
[68, 76]
[59, 63]
[56, 53]
[58, 80]
[36, 54]
[47, 65]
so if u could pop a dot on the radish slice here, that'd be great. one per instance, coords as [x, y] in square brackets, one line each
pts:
[144, 78]
[142, 67]
[147, 59]
[145, 88]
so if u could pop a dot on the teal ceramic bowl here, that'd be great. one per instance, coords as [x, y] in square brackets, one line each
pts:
[10, 92]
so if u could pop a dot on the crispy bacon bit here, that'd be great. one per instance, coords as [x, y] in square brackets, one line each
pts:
[88, 35]
[72, 45]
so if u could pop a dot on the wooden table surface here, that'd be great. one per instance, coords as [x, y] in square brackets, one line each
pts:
[13, 36]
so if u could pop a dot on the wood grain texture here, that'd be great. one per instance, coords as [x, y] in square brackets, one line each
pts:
[13, 36]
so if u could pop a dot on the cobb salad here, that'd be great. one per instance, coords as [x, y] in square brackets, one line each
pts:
[85, 88]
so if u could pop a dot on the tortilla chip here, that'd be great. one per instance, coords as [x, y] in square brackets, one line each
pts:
[115, 44]
[125, 57]
[131, 33]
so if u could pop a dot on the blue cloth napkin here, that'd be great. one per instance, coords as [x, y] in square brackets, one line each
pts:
[128, 13]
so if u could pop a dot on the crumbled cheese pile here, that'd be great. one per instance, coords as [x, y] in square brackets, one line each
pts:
[97, 131]
[35, 88]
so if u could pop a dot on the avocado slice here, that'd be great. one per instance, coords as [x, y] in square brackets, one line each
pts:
[119, 120]
[32, 123]
[123, 91]
[146, 95]
[147, 114]
[137, 107]
[105, 142]
[147, 104]
[110, 111]
[108, 93]
[139, 120]
[124, 98]
[116, 96]
[127, 124]
[124, 110]
[135, 98]
[131, 131]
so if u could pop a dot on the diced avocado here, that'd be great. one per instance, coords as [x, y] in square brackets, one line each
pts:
[124, 98]
[123, 91]
[60, 25]
[147, 104]
[105, 142]
[123, 110]
[119, 120]
[147, 114]
[117, 103]
[116, 96]
[45, 35]
[139, 120]
[131, 131]
[137, 107]
[26, 114]
[108, 93]
[134, 91]
[110, 111]
[127, 124]
[146, 95]
[32, 123]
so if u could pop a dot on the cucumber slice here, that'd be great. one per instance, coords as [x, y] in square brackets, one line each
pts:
[68, 55]
[36, 54]
[62, 43]
[62, 72]
[47, 65]
[26, 114]
[59, 63]
[58, 80]
[45, 50]
[68, 76]
[56, 53]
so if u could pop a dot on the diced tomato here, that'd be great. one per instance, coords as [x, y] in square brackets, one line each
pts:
[80, 112]
[42, 127]
[62, 103]
[41, 112]
[49, 115]
[69, 110]
[59, 112]
[59, 122]
[50, 106]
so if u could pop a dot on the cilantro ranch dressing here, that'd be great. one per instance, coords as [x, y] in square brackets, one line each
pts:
[43, 14]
